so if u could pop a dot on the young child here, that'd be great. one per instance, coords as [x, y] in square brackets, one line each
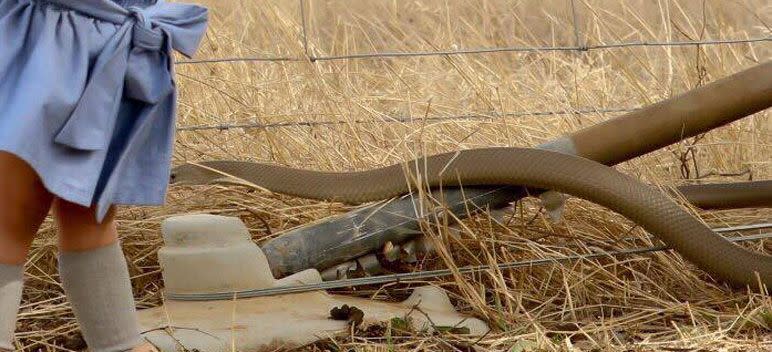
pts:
[87, 107]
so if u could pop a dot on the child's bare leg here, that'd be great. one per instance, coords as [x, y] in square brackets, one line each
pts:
[96, 279]
[78, 229]
[23, 207]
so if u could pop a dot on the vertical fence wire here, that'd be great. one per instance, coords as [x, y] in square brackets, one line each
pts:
[304, 24]
[580, 45]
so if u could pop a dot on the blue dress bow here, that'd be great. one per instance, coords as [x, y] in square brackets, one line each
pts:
[136, 63]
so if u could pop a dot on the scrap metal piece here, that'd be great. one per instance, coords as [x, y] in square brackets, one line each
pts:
[343, 238]
[370, 264]
[339, 272]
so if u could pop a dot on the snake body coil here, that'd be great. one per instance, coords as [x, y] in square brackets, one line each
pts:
[580, 177]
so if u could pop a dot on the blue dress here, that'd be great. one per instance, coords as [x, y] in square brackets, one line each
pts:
[87, 93]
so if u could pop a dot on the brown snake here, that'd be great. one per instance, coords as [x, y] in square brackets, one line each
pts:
[645, 205]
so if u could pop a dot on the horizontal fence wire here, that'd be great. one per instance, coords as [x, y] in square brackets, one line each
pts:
[537, 49]
[429, 274]
[309, 57]
[240, 59]
[397, 54]
[401, 119]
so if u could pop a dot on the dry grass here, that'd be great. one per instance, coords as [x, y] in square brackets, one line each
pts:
[642, 303]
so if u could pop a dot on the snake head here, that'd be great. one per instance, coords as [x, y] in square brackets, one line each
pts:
[193, 174]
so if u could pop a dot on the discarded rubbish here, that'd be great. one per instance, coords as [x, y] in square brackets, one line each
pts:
[209, 254]
[254, 323]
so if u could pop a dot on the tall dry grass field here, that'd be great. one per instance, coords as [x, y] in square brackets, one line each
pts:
[384, 110]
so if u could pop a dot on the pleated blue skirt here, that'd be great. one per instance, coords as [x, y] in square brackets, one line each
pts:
[87, 93]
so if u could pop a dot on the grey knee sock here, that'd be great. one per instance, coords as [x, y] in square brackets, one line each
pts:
[98, 287]
[11, 282]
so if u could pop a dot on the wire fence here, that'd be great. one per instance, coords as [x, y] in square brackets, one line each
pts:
[396, 54]
[400, 119]
[310, 57]
[432, 274]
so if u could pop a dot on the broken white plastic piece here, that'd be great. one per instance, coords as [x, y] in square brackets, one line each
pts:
[213, 254]
[290, 321]
[210, 254]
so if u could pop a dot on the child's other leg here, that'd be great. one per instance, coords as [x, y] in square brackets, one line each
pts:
[96, 279]
[24, 204]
